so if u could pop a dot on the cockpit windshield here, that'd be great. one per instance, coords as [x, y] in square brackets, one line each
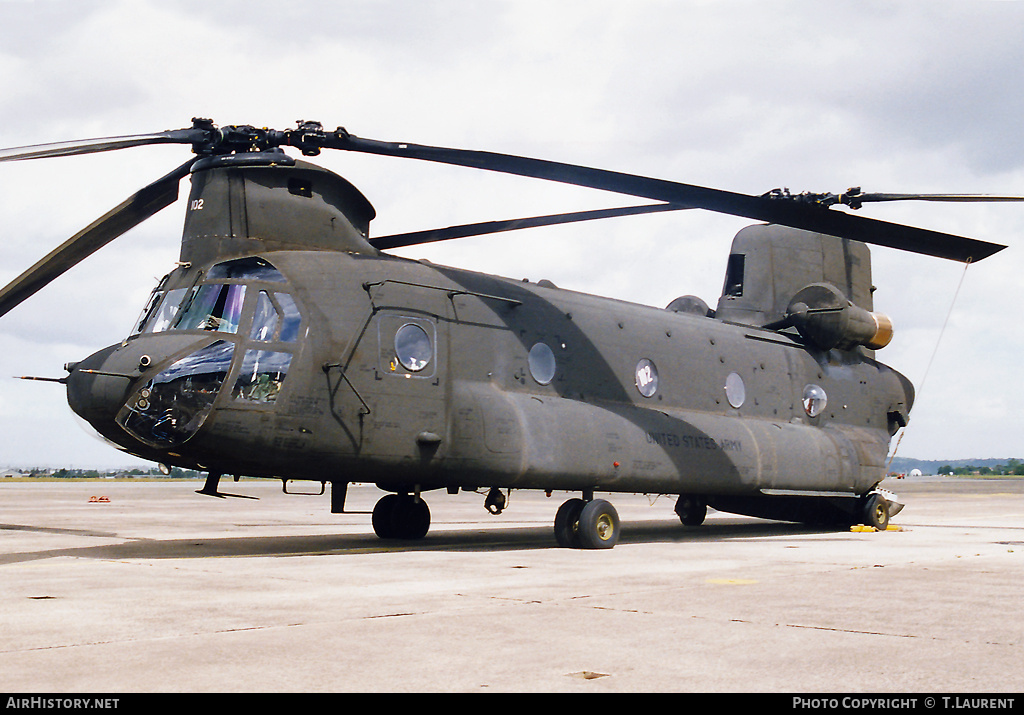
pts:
[218, 304]
[214, 306]
[248, 305]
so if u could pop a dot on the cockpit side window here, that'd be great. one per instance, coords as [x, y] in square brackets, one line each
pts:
[162, 318]
[276, 318]
[292, 318]
[149, 310]
[265, 320]
[260, 378]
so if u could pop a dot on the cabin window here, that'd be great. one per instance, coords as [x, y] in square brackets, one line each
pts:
[815, 400]
[735, 390]
[413, 347]
[646, 377]
[542, 364]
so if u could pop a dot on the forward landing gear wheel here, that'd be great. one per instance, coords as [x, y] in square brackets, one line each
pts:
[587, 524]
[691, 510]
[566, 520]
[875, 512]
[401, 516]
[598, 527]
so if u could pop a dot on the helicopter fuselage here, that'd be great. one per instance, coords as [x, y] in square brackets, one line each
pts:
[287, 345]
[415, 376]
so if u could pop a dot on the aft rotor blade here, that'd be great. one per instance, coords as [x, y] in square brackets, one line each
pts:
[788, 213]
[416, 238]
[92, 146]
[130, 213]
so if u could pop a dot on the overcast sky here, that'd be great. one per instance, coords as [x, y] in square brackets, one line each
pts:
[743, 96]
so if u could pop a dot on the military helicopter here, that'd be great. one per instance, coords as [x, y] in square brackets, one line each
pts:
[288, 344]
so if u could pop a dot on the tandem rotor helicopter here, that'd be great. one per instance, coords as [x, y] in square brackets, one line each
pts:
[288, 344]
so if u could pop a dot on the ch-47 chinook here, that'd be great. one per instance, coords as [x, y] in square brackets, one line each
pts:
[287, 344]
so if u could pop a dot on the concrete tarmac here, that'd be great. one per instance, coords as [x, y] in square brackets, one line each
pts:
[159, 589]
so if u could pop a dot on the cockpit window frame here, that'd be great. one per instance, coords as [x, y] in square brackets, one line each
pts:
[256, 274]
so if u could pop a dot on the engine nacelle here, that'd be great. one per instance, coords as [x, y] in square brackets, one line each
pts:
[824, 317]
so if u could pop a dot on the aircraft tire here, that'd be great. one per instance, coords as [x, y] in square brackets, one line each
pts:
[413, 518]
[875, 512]
[598, 525]
[383, 516]
[566, 522]
[400, 516]
[691, 510]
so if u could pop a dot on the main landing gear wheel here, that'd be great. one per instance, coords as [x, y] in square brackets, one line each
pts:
[566, 519]
[691, 510]
[875, 512]
[587, 525]
[401, 516]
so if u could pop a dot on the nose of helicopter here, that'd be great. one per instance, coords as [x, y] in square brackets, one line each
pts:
[97, 388]
[137, 401]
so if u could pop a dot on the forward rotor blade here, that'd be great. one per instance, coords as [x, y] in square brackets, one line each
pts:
[134, 210]
[110, 143]
[92, 146]
[939, 197]
[788, 213]
[415, 238]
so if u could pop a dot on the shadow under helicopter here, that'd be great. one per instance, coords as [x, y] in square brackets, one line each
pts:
[512, 538]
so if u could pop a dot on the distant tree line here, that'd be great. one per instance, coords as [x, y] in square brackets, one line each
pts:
[1011, 468]
[153, 472]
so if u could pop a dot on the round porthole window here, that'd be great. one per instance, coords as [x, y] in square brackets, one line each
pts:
[646, 378]
[542, 363]
[735, 390]
[815, 400]
[413, 348]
